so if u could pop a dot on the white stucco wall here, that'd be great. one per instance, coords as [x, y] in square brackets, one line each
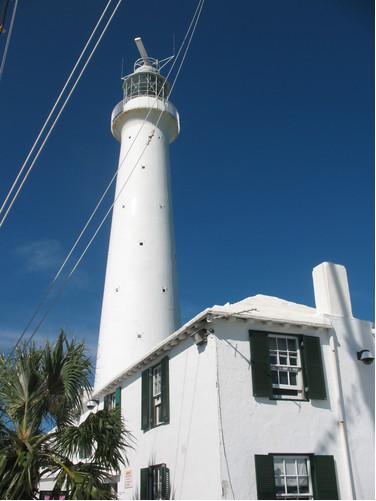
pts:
[189, 444]
[262, 426]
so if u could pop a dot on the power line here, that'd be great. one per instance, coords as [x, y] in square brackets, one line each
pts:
[59, 113]
[6, 48]
[193, 22]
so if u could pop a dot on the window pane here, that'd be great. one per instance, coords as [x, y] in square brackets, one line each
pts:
[302, 467]
[274, 377]
[290, 467]
[293, 378]
[283, 377]
[293, 360]
[303, 485]
[292, 486]
[273, 359]
[272, 343]
[278, 466]
[282, 343]
[157, 380]
[279, 485]
[291, 344]
[283, 358]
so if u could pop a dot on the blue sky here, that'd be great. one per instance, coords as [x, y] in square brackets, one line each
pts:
[272, 173]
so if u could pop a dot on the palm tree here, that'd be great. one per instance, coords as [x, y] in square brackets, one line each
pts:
[42, 389]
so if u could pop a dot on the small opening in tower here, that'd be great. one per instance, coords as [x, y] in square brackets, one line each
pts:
[141, 243]
[142, 166]
[164, 289]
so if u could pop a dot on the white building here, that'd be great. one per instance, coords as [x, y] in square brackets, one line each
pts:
[260, 399]
[254, 400]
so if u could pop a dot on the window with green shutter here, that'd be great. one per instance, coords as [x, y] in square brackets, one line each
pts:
[313, 368]
[155, 482]
[286, 366]
[113, 400]
[261, 374]
[155, 403]
[290, 476]
[324, 477]
[265, 477]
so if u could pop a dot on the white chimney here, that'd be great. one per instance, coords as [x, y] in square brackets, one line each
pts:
[331, 287]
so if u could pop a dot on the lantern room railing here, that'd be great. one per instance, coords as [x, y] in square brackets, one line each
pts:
[146, 84]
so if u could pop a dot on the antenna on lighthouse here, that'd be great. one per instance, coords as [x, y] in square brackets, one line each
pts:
[141, 49]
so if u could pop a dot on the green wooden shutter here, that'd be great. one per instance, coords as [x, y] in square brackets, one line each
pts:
[265, 477]
[118, 397]
[165, 473]
[261, 376]
[313, 368]
[324, 477]
[144, 484]
[165, 395]
[145, 400]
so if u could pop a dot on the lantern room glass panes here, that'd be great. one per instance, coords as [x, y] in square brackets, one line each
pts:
[146, 84]
[292, 477]
[285, 364]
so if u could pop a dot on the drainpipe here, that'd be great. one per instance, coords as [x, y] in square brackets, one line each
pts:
[338, 397]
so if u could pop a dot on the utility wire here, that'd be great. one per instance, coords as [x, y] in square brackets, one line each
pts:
[6, 48]
[57, 275]
[59, 113]
[193, 22]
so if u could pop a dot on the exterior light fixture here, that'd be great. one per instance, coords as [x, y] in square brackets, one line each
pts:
[201, 336]
[365, 356]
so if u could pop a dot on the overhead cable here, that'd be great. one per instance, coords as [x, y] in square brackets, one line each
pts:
[190, 31]
[23, 166]
[9, 36]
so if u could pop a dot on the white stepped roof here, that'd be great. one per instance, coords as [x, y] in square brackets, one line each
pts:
[261, 306]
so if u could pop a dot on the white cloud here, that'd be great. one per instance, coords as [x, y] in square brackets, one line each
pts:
[40, 255]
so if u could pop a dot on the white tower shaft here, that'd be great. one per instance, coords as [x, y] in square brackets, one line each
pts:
[140, 303]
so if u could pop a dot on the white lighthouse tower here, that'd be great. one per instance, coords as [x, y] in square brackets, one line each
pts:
[140, 301]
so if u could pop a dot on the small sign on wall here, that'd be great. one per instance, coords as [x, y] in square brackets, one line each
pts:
[128, 478]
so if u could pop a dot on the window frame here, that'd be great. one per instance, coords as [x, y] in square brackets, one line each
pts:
[298, 369]
[323, 475]
[155, 400]
[313, 366]
[157, 483]
[156, 394]
[112, 400]
[308, 457]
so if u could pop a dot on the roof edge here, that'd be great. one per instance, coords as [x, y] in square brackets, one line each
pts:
[189, 329]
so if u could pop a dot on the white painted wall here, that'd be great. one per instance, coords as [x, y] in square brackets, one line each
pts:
[262, 426]
[189, 444]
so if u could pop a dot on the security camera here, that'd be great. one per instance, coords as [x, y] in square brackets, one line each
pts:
[365, 356]
[91, 404]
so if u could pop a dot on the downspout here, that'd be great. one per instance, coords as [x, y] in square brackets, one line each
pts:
[338, 397]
